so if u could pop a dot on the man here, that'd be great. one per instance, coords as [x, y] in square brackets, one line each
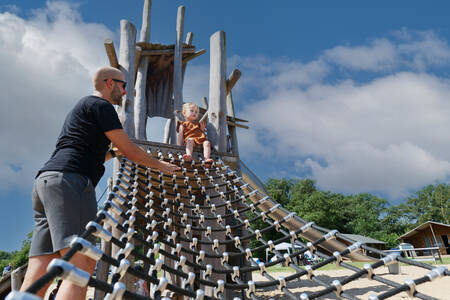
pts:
[7, 269]
[63, 193]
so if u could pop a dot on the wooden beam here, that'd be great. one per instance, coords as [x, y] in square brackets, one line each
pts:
[111, 53]
[231, 123]
[205, 103]
[189, 38]
[165, 51]
[231, 81]
[194, 55]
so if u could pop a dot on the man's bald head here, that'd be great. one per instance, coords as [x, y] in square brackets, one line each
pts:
[104, 73]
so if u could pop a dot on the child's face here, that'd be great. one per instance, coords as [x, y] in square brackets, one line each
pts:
[191, 113]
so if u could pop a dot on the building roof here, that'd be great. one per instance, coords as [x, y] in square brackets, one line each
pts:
[363, 239]
[421, 227]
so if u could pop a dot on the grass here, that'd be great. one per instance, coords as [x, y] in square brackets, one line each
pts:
[333, 266]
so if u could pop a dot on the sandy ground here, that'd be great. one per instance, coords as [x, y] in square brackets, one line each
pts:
[363, 287]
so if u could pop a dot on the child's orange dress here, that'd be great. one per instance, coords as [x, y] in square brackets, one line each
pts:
[192, 130]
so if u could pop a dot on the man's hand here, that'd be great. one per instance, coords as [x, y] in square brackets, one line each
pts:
[166, 167]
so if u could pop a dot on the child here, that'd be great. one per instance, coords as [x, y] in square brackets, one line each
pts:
[191, 132]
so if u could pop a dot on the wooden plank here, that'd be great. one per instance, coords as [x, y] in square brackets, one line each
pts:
[165, 51]
[111, 53]
[193, 55]
[205, 104]
[217, 127]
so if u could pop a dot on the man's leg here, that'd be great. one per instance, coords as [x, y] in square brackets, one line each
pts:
[68, 290]
[37, 267]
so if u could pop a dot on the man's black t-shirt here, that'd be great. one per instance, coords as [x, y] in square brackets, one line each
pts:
[82, 144]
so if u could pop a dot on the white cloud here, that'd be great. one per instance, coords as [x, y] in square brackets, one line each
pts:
[385, 135]
[416, 50]
[47, 62]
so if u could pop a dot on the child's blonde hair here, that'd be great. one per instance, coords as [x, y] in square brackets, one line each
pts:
[187, 105]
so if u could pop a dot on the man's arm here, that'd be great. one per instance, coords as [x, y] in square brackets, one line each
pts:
[121, 140]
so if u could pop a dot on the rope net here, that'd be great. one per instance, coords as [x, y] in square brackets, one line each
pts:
[193, 232]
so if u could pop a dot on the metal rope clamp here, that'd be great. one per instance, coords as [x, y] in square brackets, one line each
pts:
[177, 249]
[236, 213]
[219, 219]
[99, 232]
[390, 259]
[263, 216]
[172, 237]
[199, 259]
[277, 225]
[129, 247]
[235, 274]
[251, 289]
[188, 229]
[258, 234]
[330, 235]
[113, 207]
[353, 247]
[293, 236]
[311, 247]
[213, 208]
[180, 264]
[287, 260]
[262, 268]
[248, 254]
[436, 273]
[309, 270]
[184, 218]
[108, 219]
[208, 231]
[156, 267]
[70, 272]
[412, 287]
[157, 290]
[237, 242]
[122, 268]
[225, 257]
[369, 269]
[247, 223]
[227, 230]
[189, 282]
[271, 245]
[194, 243]
[87, 248]
[306, 227]
[150, 213]
[220, 288]
[282, 283]
[215, 245]
[208, 272]
[337, 284]
[119, 289]
[338, 257]
[200, 295]
[128, 235]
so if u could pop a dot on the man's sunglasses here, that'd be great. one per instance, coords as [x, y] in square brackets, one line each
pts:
[118, 80]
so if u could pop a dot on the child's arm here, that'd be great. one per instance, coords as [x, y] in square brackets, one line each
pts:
[180, 136]
[203, 126]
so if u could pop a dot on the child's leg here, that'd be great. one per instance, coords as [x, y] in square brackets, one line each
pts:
[207, 151]
[189, 149]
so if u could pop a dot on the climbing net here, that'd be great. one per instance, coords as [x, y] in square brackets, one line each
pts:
[192, 231]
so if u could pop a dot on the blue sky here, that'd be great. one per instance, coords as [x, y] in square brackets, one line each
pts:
[353, 94]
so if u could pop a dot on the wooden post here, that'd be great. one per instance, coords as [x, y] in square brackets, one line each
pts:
[217, 125]
[205, 103]
[140, 105]
[231, 81]
[177, 73]
[103, 267]
[127, 60]
[189, 38]
[111, 53]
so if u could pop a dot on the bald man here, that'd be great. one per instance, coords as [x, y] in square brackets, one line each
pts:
[63, 192]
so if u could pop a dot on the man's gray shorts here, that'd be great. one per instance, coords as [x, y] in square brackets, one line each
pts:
[63, 203]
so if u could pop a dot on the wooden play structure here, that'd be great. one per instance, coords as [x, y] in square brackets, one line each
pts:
[191, 232]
